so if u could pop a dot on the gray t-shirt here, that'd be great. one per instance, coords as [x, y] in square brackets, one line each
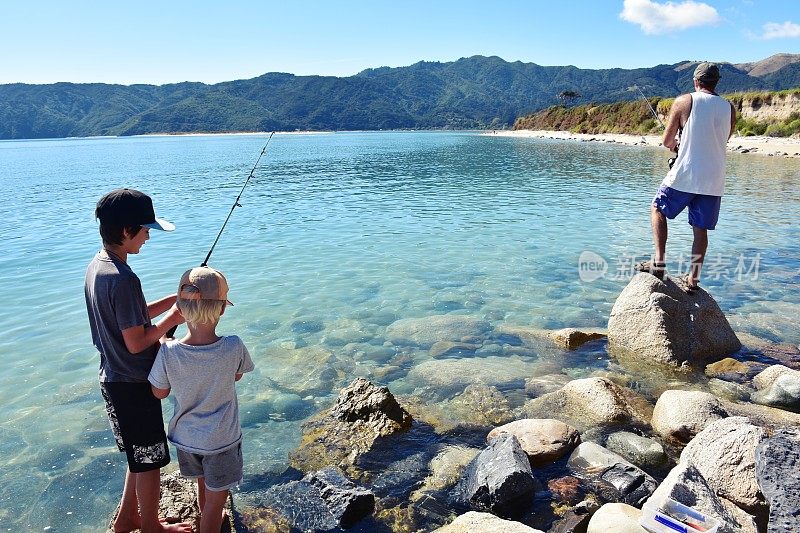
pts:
[115, 301]
[203, 383]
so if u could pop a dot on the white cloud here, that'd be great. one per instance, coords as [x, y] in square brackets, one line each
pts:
[774, 30]
[655, 18]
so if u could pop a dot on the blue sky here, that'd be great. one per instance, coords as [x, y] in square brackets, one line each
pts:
[171, 41]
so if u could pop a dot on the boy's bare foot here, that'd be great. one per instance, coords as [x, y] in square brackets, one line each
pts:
[183, 527]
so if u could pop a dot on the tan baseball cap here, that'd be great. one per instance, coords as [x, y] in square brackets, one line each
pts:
[208, 284]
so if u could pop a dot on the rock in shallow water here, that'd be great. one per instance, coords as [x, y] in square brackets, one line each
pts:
[543, 440]
[777, 467]
[616, 517]
[680, 415]
[363, 413]
[498, 479]
[614, 478]
[656, 320]
[426, 331]
[641, 451]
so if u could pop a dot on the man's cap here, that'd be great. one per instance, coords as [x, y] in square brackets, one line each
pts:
[708, 72]
[129, 208]
[203, 283]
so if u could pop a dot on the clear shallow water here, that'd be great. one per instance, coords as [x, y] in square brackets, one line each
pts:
[339, 235]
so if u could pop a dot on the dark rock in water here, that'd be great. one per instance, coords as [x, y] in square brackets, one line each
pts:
[498, 478]
[572, 522]
[346, 502]
[614, 478]
[777, 467]
[363, 414]
[657, 321]
[300, 505]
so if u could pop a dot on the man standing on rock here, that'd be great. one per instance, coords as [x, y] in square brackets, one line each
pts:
[701, 122]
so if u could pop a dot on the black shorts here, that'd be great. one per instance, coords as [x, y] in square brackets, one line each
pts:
[137, 424]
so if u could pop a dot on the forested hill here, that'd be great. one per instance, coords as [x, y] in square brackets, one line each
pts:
[474, 92]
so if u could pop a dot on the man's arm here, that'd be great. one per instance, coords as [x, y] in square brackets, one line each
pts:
[676, 121]
[733, 121]
[139, 338]
[159, 393]
[160, 306]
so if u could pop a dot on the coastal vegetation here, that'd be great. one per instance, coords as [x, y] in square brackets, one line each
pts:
[771, 113]
[471, 93]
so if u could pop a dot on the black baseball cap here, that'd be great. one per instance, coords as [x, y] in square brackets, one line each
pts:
[129, 208]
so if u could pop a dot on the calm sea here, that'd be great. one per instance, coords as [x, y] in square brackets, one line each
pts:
[338, 236]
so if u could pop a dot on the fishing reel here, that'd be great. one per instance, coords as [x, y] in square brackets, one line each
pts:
[671, 161]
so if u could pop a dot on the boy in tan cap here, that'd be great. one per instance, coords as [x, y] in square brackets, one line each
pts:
[201, 370]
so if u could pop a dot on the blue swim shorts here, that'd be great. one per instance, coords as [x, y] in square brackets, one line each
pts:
[703, 208]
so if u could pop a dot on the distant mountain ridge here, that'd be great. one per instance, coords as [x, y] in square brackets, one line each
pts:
[473, 92]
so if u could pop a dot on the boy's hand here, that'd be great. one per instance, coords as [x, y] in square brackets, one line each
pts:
[174, 316]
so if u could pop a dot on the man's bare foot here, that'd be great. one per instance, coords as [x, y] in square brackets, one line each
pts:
[183, 527]
[124, 524]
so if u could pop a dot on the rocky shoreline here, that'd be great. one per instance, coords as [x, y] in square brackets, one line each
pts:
[713, 425]
[760, 145]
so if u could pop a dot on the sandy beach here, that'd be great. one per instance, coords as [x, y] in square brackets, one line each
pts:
[769, 146]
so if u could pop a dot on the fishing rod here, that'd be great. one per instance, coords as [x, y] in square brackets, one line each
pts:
[650, 106]
[236, 202]
[171, 331]
[671, 160]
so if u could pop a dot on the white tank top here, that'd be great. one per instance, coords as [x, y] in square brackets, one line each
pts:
[700, 166]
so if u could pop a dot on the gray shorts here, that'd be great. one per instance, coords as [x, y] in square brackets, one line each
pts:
[221, 471]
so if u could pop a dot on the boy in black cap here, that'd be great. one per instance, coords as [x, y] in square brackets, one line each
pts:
[123, 333]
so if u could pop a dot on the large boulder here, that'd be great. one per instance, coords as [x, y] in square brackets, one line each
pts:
[588, 402]
[679, 415]
[614, 478]
[499, 479]
[474, 521]
[777, 465]
[543, 440]
[658, 321]
[362, 414]
[685, 484]
[724, 453]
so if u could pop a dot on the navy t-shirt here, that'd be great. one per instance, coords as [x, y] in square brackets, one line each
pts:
[115, 301]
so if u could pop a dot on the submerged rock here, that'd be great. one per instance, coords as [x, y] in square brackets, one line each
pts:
[614, 478]
[658, 321]
[450, 376]
[572, 339]
[362, 414]
[543, 440]
[479, 405]
[724, 453]
[309, 370]
[426, 331]
[584, 403]
[473, 521]
[498, 479]
[777, 465]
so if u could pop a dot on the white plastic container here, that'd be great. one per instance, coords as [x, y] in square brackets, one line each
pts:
[669, 516]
